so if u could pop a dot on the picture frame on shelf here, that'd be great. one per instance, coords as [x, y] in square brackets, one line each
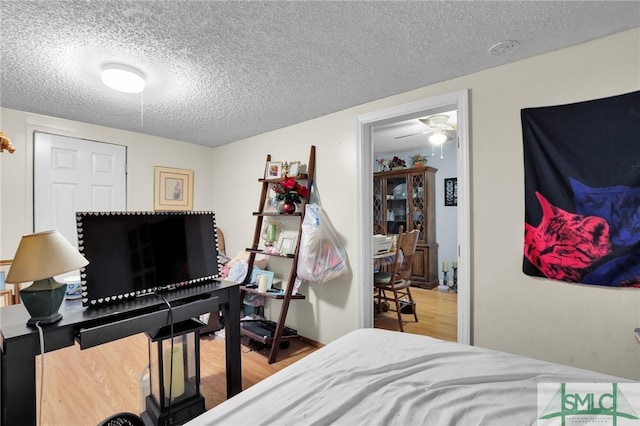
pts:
[273, 170]
[173, 189]
[258, 272]
[287, 241]
[294, 168]
[271, 203]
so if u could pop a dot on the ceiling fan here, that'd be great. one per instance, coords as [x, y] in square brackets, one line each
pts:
[437, 124]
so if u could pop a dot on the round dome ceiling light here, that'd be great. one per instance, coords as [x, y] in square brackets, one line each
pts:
[123, 78]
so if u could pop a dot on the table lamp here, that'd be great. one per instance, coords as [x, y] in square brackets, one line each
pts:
[39, 257]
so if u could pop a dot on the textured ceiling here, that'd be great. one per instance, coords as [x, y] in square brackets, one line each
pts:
[222, 71]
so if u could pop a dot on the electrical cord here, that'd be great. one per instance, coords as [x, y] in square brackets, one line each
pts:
[171, 355]
[143, 402]
[41, 336]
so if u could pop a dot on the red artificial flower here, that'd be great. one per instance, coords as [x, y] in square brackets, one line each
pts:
[303, 191]
[290, 190]
[289, 183]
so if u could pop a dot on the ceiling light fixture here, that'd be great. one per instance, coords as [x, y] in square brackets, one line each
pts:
[438, 138]
[123, 78]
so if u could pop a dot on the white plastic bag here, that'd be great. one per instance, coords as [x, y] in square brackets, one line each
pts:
[321, 257]
[236, 275]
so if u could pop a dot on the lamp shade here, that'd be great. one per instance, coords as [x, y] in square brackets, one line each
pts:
[43, 255]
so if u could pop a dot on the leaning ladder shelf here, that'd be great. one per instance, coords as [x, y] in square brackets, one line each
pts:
[287, 295]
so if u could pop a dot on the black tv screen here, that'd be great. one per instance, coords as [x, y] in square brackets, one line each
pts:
[134, 253]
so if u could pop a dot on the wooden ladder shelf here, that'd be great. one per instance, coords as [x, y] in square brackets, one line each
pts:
[286, 297]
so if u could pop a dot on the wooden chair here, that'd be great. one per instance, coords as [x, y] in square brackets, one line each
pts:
[220, 237]
[5, 265]
[379, 229]
[213, 323]
[6, 298]
[395, 286]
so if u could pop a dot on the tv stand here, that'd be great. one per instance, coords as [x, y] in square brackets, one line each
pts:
[19, 343]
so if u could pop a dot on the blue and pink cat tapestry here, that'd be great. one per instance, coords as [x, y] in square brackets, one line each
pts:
[582, 191]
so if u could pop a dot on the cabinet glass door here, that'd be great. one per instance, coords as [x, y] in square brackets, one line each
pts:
[418, 210]
[379, 207]
[407, 198]
[397, 203]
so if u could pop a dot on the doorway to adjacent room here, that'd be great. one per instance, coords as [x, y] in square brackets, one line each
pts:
[457, 101]
[417, 197]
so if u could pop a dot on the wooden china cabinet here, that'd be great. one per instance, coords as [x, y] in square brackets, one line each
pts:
[407, 197]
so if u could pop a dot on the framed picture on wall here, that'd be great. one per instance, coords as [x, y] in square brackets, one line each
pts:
[173, 189]
[451, 192]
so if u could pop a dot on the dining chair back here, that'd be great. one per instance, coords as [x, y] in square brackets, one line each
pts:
[394, 286]
[379, 229]
[407, 243]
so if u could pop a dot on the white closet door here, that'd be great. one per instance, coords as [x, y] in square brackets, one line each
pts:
[72, 175]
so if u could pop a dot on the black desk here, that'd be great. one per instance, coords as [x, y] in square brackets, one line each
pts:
[19, 344]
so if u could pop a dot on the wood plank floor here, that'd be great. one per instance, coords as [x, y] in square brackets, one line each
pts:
[84, 387]
[437, 315]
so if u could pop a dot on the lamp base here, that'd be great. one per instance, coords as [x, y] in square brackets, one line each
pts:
[49, 319]
[42, 299]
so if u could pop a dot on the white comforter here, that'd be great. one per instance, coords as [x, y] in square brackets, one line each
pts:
[378, 377]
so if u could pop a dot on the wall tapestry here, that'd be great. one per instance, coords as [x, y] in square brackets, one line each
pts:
[582, 191]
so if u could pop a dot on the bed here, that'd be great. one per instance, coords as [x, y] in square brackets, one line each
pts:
[380, 377]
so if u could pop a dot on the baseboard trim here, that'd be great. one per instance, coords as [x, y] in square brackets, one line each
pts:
[310, 342]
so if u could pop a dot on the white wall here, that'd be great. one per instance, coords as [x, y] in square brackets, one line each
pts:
[585, 326]
[588, 326]
[143, 153]
[329, 310]
[446, 216]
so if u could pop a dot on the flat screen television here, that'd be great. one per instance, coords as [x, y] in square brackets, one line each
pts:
[135, 253]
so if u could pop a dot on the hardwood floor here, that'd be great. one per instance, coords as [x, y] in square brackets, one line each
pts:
[437, 315]
[84, 387]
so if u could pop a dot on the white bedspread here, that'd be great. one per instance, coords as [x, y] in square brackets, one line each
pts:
[379, 377]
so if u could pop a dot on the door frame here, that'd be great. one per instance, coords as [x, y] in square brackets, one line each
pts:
[458, 100]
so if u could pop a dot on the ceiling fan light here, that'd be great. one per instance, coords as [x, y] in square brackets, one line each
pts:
[438, 138]
[123, 78]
